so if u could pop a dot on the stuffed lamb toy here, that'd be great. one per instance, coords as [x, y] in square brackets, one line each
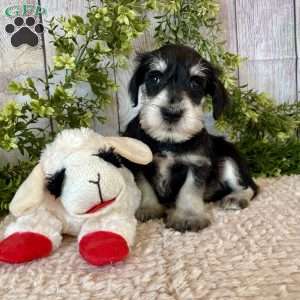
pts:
[80, 187]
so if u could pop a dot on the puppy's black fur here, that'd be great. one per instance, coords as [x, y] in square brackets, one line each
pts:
[170, 71]
[203, 143]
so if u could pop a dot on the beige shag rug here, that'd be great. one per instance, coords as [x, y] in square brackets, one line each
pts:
[251, 254]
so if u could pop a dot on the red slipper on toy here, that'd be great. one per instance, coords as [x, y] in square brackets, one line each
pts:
[23, 247]
[103, 247]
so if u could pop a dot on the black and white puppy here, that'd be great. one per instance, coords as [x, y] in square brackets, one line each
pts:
[190, 166]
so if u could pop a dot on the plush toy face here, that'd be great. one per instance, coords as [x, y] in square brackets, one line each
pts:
[83, 170]
[89, 181]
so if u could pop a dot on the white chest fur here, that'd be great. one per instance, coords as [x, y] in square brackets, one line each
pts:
[163, 163]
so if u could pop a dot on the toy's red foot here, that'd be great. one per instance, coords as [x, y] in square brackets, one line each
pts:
[103, 247]
[24, 246]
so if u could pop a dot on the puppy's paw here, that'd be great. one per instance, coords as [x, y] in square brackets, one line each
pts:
[186, 222]
[144, 214]
[234, 203]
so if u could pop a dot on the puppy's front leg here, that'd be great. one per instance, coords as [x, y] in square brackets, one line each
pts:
[189, 213]
[149, 208]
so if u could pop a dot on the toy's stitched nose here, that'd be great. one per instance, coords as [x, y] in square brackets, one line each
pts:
[98, 185]
[171, 115]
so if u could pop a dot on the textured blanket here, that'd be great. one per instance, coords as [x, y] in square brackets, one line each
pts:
[248, 254]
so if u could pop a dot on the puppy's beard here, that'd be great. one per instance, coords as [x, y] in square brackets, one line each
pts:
[152, 122]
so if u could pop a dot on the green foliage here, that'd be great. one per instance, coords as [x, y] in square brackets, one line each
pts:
[272, 158]
[19, 130]
[264, 132]
[10, 179]
[254, 115]
[87, 51]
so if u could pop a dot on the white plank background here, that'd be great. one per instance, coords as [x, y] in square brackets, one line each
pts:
[267, 32]
[228, 20]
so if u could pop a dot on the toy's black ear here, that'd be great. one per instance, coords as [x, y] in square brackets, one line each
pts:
[55, 183]
[217, 92]
[110, 156]
[138, 77]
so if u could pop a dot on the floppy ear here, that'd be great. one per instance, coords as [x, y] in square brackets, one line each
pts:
[138, 77]
[131, 149]
[30, 194]
[133, 88]
[218, 94]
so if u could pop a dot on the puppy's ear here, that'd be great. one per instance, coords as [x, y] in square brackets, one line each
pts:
[218, 93]
[138, 77]
[134, 85]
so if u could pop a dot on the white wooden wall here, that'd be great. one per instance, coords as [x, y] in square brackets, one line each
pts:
[265, 31]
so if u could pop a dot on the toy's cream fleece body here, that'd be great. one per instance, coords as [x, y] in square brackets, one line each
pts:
[76, 153]
[52, 220]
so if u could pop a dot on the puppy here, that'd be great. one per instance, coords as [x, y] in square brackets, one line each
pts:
[190, 166]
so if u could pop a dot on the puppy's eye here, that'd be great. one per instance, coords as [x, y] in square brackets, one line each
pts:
[154, 77]
[196, 82]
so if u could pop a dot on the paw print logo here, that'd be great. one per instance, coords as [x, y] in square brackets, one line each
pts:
[24, 32]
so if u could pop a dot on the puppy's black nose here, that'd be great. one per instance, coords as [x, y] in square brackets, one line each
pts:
[171, 115]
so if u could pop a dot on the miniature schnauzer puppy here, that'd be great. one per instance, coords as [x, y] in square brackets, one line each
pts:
[190, 166]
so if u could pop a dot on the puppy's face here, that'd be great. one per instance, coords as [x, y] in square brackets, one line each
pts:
[171, 83]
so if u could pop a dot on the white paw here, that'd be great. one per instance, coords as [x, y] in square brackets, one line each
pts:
[185, 221]
[144, 214]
